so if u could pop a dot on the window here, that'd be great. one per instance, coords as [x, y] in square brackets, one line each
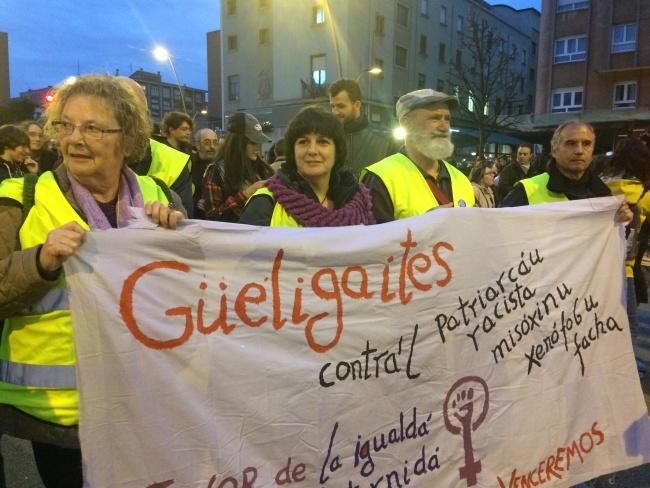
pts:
[379, 25]
[470, 103]
[440, 85]
[400, 56]
[570, 49]
[624, 38]
[524, 57]
[231, 7]
[567, 100]
[423, 45]
[264, 37]
[533, 48]
[424, 8]
[154, 91]
[460, 23]
[232, 43]
[318, 70]
[625, 94]
[443, 15]
[531, 74]
[459, 58]
[422, 81]
[318, 15]
[233, 88]
[402, 15]
[442, 52]
[567, 5]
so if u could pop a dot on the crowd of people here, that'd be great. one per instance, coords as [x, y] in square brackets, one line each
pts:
[330, 168]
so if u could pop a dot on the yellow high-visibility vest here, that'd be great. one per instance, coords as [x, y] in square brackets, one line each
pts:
[408, 189]
[537, 192]
[166, 162]
[37, 359]
[280, 217]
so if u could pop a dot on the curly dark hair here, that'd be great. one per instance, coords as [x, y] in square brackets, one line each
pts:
[314, 120]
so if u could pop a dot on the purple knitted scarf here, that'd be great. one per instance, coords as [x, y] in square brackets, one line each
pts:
[129, 195]
[309, 213]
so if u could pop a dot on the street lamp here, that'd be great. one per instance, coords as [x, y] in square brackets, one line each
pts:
[161, 54]
[373, 70]
[202, 112]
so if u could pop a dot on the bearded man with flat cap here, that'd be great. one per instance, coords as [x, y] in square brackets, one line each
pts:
[418, 179]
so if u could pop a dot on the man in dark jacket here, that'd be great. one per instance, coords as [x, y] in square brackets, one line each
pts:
[365, 145]
[515, 171]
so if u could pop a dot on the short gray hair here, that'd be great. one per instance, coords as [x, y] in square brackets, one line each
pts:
[557, 135]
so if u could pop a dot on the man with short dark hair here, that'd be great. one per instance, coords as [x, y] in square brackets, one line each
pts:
[365, 145]
[515, 171]
[177, 129]
[419, 179]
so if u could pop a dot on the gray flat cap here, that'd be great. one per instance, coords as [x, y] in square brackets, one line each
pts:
[423, 98]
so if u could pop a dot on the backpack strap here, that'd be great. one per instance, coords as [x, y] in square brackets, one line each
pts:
[165, 189]
[29, 191]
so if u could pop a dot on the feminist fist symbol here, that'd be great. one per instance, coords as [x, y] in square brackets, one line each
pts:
[466, 394]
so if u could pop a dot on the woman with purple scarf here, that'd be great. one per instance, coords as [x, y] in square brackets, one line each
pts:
[100, 125]
[311, 189]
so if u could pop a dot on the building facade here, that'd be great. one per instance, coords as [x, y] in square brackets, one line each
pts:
[4, 67]
[164, 97]
[279, 56]
[595, 65]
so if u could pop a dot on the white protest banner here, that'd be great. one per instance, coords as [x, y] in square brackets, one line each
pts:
[464, 347]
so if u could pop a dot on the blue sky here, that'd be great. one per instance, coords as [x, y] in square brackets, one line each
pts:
[49, 41]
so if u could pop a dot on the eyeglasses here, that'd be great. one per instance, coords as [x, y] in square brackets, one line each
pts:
[210, 142]
[89, 130]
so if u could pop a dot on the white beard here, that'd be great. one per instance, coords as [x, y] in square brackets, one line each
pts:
[437, 148]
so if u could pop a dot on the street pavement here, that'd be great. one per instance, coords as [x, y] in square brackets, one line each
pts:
[21, 472]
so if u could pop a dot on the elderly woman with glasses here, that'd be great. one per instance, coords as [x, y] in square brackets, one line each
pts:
[482, 177]
[100, 125]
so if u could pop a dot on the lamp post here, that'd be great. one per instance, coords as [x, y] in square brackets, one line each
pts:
[162, 54]
[373, 70]
[202, 112]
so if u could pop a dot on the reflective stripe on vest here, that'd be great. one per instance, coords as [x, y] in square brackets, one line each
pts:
[37, 358]
[408, 189]
[166, 162]
[538, 193]
[280, 217]
[37, 375]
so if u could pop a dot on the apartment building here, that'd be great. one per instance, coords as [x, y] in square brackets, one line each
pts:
[279, 55]
[595, 65]
[164, 97]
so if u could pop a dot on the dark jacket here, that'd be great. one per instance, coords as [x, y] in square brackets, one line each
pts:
[589, 186]
[259, 209]
[365, 145]
[511, 174]
[10, 170]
